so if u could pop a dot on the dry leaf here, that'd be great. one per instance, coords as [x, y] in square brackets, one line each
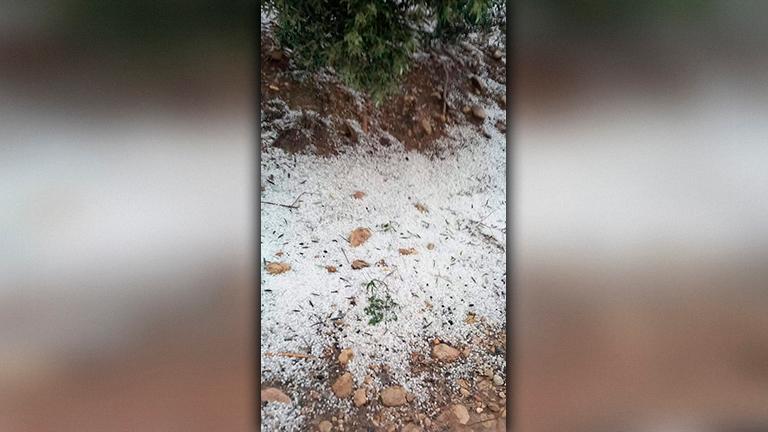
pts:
[359, 236]
[421, 207]
[274, 268]
[331, 269]
[358, 195]
[409, 251]
[358, 264]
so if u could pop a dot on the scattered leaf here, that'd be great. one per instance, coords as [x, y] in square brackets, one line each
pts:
[421, 207]
[358, 264]
[409, 251]
[359, 236]
[275, 268]
[331, 269]
[358, 195]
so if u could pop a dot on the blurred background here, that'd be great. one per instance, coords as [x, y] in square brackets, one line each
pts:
[641, 241]
[126, 215]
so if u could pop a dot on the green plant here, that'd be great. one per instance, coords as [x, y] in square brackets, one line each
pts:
[369, 43]
[379, 308]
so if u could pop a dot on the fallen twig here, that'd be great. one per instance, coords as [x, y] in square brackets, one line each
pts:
[289, 355]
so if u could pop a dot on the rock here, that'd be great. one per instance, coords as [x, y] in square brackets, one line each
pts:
[358, 264]
[342, 387]
[503, 101]
[445, 353]
[497, 54]
[274, 87]
[359, 236]
[275, 268]
[393, 396]
[272, 394]
[360, 397]
[426, 126]
[498, 380]
[325, 426]
[501, 126]
[358, 195]
[430, 246]
[464, 392]
[461, 413]
[331, 269]
[478, 112]
[466, 109]
[493, 406]
[409, 397]
[409, 251]
[350, 131]
[345, 356]
[411, 427]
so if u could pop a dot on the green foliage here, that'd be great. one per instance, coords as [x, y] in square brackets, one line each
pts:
[379, 308]
[369, 43]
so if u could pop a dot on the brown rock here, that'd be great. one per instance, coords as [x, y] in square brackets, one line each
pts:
[342, 387]
[409, 251]
[393, 396]
[272, 394]
[331, 269]
[430, 246]
[358, 264]
[360, 397]
[345, 356]
[426, 126]
[275, 268]
[359, 236]
[358, 195]
[466, 109]
[501, 126]
[478, 112]
[445, 353]
[497, 54]
[325, 426]
[461, 413]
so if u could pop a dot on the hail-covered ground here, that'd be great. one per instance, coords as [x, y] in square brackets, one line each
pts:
[450, 207]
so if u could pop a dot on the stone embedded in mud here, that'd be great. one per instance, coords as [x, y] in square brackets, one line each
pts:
[358, 264]
[426, 126]
[359, 236]
[272, 394]
[445, 353]
[461, 413]
[393, 396]
[342, 387]
[345, 356]
[478, 112]
[360, 397]
[325, 426]
[498, 380]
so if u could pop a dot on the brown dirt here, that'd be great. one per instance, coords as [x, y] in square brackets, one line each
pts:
[413, 115]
